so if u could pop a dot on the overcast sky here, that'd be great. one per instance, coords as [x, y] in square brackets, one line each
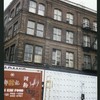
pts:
[88, 3]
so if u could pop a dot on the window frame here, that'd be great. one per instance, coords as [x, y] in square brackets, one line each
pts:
[17, 8]
[7, 54]
[12, 53]
[69, 60]
[87, 61]
[95, 26]
[86, 22]
[57, 16]
[39, 30]
[57, 58]
[38, 55]
[95, 44]
[25, 53]
[12, 13]
[31, 28]
[9, 30]
[15, 27]
[69, 39]
[86, 42]
[56, 35]
[41, 10]
[70, 18]
[32, 9]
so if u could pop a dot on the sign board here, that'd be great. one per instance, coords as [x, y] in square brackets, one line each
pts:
[19, 85]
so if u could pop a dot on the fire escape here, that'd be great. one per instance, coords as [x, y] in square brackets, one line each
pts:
[90, 47]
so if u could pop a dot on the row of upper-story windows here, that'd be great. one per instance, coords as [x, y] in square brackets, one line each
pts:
[38, 56]
[35, 54]
[58, 15]
[37, 29]
[56, 58]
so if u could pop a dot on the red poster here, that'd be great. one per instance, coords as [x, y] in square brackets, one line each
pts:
[22, 85]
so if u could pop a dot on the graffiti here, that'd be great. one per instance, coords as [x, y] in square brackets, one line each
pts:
[35, 83]
[33, 93]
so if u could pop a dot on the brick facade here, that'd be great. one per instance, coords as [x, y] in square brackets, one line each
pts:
[21, 38]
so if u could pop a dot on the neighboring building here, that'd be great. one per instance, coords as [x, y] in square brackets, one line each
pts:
[51, 32]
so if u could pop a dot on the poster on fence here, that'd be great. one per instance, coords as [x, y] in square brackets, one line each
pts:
[20, 85]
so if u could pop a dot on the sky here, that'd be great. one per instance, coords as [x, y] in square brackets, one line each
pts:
[88, 3]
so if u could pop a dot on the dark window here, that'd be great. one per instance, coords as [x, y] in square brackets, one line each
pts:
[7, 54]
[95, 44]
[17, 8]
[10, 31]
[28, 54]
[12, 13]
[87, 61]
[15, 27]
[95, 63]
[12, 52]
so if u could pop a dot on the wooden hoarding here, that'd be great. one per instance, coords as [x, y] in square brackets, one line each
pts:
[19, 85]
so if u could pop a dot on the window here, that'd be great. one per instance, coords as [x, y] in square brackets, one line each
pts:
[56, 34]
[69, 59]
[41, 9]
[32, 6]
[38, 54]
[6, 19]
[12, 52]
[69, 18]
[7, 54]
[10, 31]
[86, 22]
[86, 41]
[87, 61]
[95, 63]
[95, 26]
[17, 8]
[28, 54]
[56, 57]
[95, 44]
[12, 13]
[15, 27]
[57, 15]
[69, 37]
[40, 30]
[30, 27]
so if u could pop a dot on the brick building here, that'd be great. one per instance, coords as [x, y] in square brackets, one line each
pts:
[51, 32]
